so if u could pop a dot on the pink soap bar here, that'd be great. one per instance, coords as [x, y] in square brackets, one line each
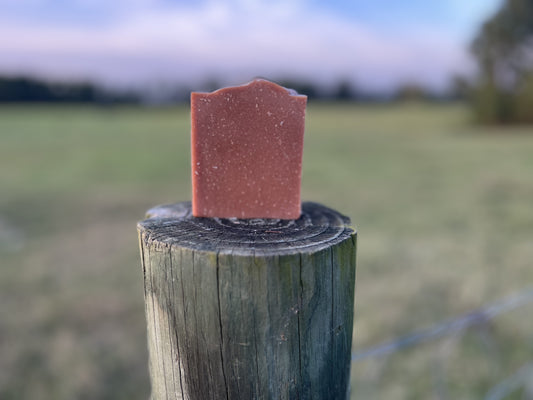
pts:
[247, 144]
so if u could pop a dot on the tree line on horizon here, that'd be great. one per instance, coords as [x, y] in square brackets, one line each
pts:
[30, 89]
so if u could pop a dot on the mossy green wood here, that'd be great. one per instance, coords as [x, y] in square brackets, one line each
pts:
[248, 309]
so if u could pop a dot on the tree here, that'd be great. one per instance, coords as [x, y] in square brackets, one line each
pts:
[503, 49]
[411, 92]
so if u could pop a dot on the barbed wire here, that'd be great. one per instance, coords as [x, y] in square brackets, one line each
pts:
[477, 317]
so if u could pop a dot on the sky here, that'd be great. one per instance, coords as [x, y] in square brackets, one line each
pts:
[375, 44]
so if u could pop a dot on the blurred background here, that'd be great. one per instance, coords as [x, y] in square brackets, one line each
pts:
[417, 128]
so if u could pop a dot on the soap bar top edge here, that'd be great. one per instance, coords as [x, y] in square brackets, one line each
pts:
[273, 85]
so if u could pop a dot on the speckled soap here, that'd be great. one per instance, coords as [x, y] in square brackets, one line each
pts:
[247, 144]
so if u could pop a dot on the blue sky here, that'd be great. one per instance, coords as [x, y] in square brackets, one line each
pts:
[378, 44]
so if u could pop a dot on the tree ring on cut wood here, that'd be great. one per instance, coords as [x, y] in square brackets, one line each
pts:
[318, 227]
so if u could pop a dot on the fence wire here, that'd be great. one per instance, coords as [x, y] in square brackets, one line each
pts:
[477, 317]
[504, 388]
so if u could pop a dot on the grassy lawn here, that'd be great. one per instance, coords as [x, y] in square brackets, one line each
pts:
[444, 212]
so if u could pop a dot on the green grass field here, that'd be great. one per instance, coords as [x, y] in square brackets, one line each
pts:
[444, 212]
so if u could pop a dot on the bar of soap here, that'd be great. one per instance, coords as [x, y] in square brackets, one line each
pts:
[247, 144]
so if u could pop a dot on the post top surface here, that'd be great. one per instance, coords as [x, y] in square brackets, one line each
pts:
[318, 227]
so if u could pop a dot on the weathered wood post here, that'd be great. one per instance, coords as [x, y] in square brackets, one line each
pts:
[248, 309]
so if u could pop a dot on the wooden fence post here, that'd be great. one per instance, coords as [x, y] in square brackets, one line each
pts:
[248, 309]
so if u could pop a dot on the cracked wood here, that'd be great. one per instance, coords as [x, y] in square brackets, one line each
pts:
[248, 309]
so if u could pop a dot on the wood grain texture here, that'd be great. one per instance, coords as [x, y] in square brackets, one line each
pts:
[248, 309]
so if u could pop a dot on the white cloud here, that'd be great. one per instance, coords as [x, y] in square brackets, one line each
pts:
[154, 41]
